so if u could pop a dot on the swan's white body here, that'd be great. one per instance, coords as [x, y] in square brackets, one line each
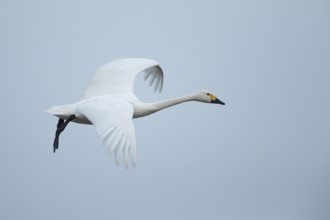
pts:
[109, 103]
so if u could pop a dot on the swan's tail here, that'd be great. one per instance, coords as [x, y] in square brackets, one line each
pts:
[61, 111]
[65, 111]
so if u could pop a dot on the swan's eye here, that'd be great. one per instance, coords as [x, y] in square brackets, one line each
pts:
[207, 93]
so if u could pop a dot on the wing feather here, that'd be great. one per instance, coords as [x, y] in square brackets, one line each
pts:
[119, 148]
[113, 140]
[157, 77]
[114, 126]
[130, 151]
[133, 150]
[156, 84]
[152, 79]
[125, 152]
[118, 76]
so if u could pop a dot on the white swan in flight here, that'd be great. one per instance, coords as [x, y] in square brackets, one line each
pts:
[109, 103]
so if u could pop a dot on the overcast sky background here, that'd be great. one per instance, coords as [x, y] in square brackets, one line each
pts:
[265, 155]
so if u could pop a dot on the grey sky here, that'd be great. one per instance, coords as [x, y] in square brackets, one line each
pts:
[265, 155]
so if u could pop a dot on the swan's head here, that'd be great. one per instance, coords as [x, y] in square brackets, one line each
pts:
[208, 97]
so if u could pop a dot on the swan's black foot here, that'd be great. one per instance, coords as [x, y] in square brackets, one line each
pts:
[60, 127]
[57, 134]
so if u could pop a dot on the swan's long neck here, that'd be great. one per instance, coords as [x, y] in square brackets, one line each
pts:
[149, 108]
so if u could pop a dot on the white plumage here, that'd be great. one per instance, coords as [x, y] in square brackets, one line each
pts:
[118, 77]
[109, 103]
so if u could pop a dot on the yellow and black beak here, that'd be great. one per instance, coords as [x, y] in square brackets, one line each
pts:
[215, 100]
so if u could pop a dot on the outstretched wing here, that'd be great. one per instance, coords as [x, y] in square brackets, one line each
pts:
[114, 126]
[118, 76]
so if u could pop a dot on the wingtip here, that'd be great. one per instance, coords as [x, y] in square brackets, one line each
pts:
[133, 164]
[117, 162]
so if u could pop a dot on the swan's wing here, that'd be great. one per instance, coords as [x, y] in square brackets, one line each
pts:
[118, 76]
[114, 126]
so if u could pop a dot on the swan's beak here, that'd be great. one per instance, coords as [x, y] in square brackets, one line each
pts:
[217, 101]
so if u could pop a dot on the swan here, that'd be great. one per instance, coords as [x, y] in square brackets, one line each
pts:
[109, 103]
